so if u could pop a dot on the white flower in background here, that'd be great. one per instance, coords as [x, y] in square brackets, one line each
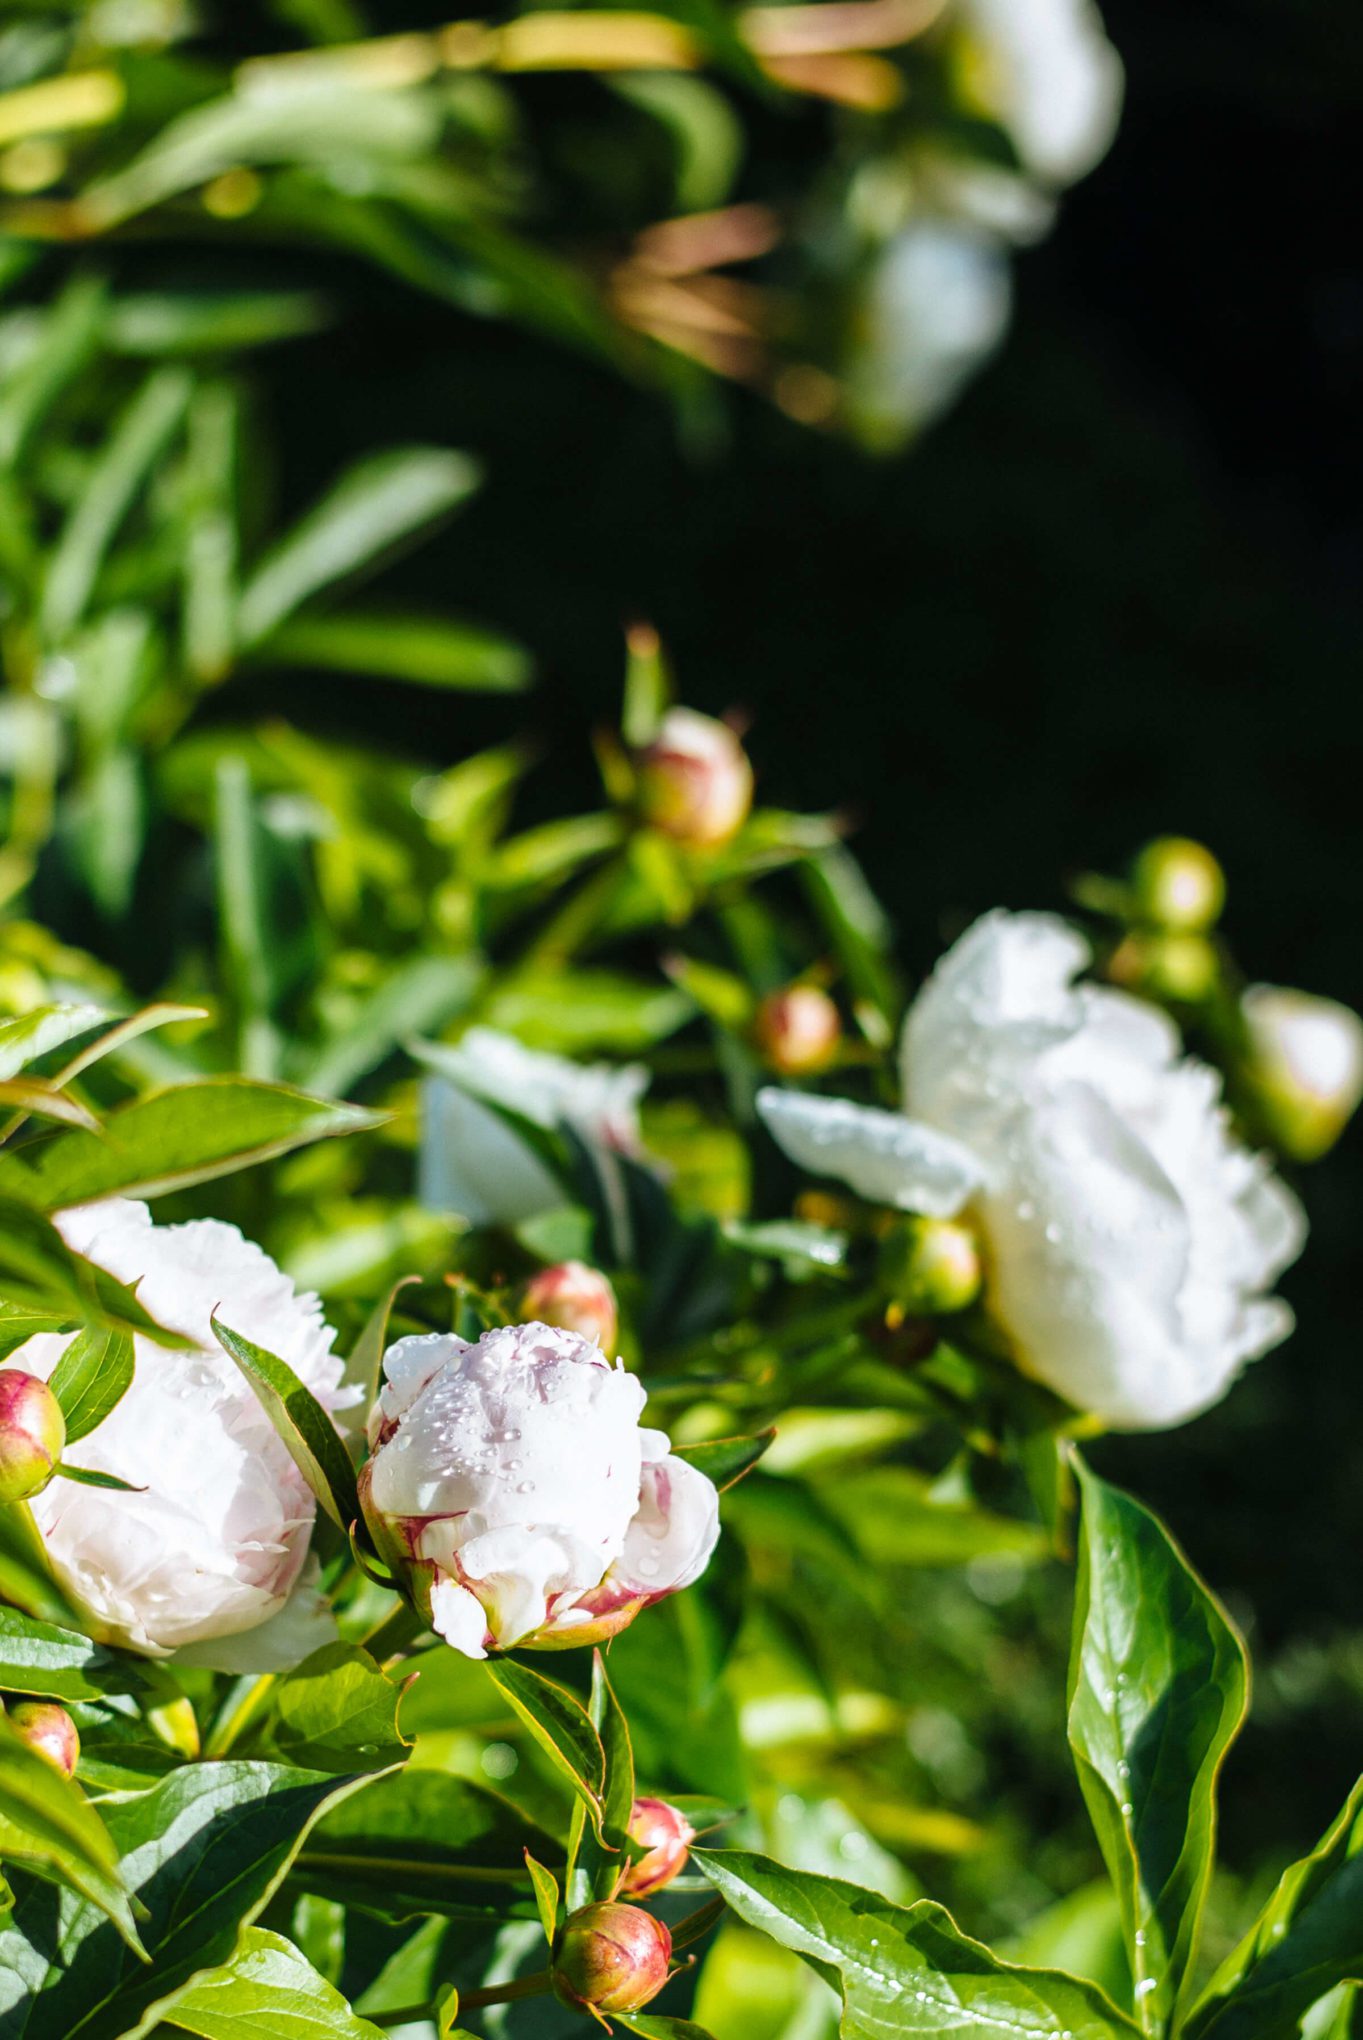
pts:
[472, 1162]
[1306, 1061]
[937, 305]
[512, 1485]
[1044, 70]
[1129, 1240]
[216, 1544]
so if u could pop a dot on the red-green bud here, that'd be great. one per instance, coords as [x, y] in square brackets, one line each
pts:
[931, 1266]
[798, 1030]
[575, 1298]
[611, 1958]
[1183, 968]
[667, 1835]
[1178, 885]
[695, 782]
[49, 1731]
[32, 1434]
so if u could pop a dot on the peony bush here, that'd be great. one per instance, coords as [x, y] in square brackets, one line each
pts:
[553, 1411]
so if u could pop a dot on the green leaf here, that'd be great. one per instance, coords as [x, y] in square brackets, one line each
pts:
[141, 436]
[545, 1887]
[905, 1969]
[726, 1460]
[1157, 1692]
[42, 1279]
[88, 1476]
[48, 1828]
[594, 1866]
[423, 1841]
[651, 2026]
[20, 1322]
[54, 1663]
[24, 1039]
[1308, 1938]
[313, 1442]
[157, 323]
[26, 1577]
[204, 1850]
[560, 1725]
[430, 651]
[173, 1139]
[70, 334]
[364, 1365]
[267, 1991]
[30, 1096]
[337, 1712]
[91, 1378]
[584, 1012]
[380, 501]
[424, 992]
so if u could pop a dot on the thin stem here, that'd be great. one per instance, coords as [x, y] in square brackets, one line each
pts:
[230, 1725]
[394, 1633]
[538, 1985]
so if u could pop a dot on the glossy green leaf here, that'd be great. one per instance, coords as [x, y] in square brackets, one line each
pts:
[656, 2026]
[595, 1863]
[31, 1035]
[32, 1098]
[44, 1285]
[429, 651]
[586, 1012]
[1308, 1938]
[313, 1442]
[203, 1850]
[91, 1378]
[26, 1576]
[174, 1138]
[20, 1322]
[726, 1460]
[267, 1991]
[424, 1841]
[1157, 1693]
[544, 1884]
[560, 1725]
[382, 500]
[337, 1712]
[53, 1663]
[905, 1969]
[49, 1829]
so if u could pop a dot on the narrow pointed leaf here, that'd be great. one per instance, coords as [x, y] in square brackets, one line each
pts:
[31, 1035]
[313, 1442]
[49, 1828]
[560, 1724]
[91, 1378]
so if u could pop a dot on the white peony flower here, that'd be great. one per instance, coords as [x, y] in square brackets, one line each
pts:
[216, 1545]
[1129, 1240]
[937, 306]
[1307, 1063]
[1045, 70]
[512, 1485]
[472, 1162]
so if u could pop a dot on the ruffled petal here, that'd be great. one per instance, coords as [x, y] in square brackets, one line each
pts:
[883, 1157]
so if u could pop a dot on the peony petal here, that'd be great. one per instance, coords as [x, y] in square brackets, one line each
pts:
[304, 1624]
[670, 1542]
[885, 1158]
[458, 1616]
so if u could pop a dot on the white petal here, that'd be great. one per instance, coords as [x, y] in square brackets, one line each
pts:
[671, 1539]
[472, 1162]
[885, 1158]
[304, 1624]
[458, 1616]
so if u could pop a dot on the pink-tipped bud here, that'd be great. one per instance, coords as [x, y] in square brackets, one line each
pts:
[798, 1030]
[32, 1434]
[49, 1732]
[695, 782]
[575, 1298]
[611, 1958]
[666, 1834]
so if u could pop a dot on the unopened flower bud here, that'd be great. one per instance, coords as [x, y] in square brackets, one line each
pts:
[666, 1834]
[611, 1958]
[1183, 968]
[576, 1298]
[1178, 885]
[798, 1030]
[49, 1731]
[32, 1434]
[1306, 1065]
[931, 1266]
[695, 782]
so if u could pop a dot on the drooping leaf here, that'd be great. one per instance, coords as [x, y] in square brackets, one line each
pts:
[203, 1851]
[91, 1378]
[31, 1035]
[726, 1460]
[268, 1990]
[1157, 1693]
[49, 1828]
[313, 1442]
[1308, 1938]
[32, 1098]
[173, 1139]
[905, 1969]
[560, 1725]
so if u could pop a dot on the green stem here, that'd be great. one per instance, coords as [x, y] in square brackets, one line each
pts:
[236, 1719]
[394, 1633]
[538, 1985]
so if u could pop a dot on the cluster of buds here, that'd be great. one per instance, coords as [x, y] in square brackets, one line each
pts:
[48, 1731]
[1176, 893]
[694, 780]
[32, 1435]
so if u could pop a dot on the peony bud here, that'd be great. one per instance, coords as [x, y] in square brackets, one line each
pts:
[667, 1835]
[695, 782]
[1181, 968]
[1306, 1064]
[931, 1266]
[32, 1434]
[798, 1030]
[611, 1958]
[1178, 885]
[49, 1731]
[576, 1298]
